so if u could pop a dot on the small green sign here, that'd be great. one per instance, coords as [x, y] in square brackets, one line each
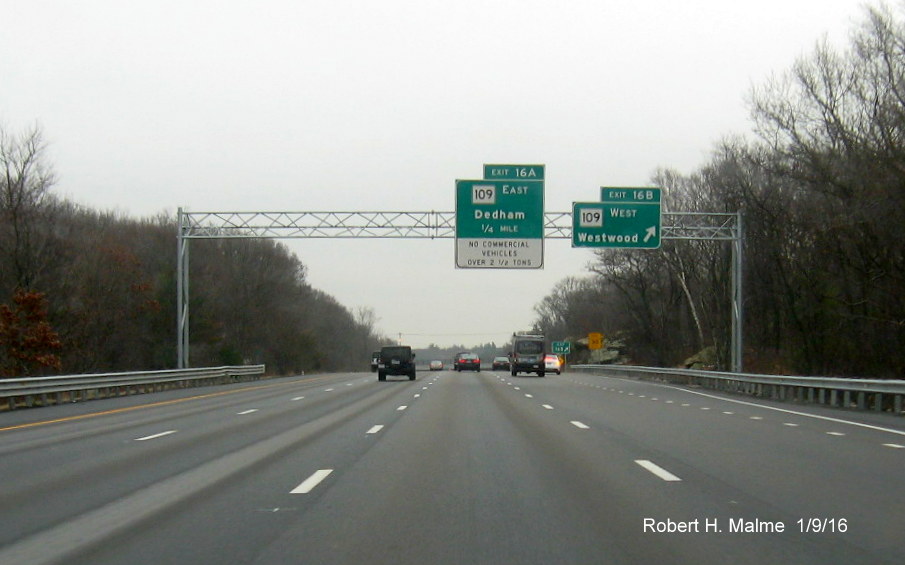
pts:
[562, 347]
[635, 195]
[514, 172]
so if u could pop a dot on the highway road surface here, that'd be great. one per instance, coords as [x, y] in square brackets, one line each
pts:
[452, 468]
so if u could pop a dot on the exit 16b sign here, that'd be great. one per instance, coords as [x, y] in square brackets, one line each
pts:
[624, 217]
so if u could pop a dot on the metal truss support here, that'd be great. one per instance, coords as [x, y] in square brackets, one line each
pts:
[423, 225]
[182, 294]
[738, 302]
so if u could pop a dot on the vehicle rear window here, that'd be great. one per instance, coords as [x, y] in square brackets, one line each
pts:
[402, 352]
[529, 347]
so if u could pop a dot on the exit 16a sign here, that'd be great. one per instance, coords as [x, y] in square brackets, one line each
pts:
[500, 224]
[514, 172]
[624, 217]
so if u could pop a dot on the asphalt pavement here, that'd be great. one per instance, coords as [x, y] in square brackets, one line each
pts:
[450, 468]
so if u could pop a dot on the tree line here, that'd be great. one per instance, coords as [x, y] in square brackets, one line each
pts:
[89, 291]
[820, 181]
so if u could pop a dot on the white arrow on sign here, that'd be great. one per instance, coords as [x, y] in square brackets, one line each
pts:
[651, 232]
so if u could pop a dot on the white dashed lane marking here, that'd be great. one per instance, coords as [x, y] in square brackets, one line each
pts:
[155, 436]
[657, 470]
[311, 482]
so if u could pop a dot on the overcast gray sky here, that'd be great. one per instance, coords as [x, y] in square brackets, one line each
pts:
[355, 105]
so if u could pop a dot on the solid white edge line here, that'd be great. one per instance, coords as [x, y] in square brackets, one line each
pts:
[155, 436]
[804, 414]
[657, 470]
[311, 482]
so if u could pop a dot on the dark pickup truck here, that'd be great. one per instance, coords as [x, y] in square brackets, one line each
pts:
[396, 360]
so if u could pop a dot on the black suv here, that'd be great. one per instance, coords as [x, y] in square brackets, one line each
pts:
[396, 360]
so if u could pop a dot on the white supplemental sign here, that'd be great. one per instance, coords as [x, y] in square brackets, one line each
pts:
[499, 253]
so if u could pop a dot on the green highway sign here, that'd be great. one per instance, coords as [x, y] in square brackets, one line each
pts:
[500, 224]
[562, 347]
[625, 217]
[514, 172]
[634, 195]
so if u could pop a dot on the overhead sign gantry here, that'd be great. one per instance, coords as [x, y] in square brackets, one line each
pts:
[440, 225]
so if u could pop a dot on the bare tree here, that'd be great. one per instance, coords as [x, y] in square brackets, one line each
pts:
[25, 206]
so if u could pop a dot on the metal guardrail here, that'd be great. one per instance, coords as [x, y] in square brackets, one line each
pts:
[861, 394]
[43, 391]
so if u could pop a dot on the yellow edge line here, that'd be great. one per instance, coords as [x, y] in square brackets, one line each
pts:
[152, 405]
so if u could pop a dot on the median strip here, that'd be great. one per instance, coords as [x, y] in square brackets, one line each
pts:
[152, 405]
